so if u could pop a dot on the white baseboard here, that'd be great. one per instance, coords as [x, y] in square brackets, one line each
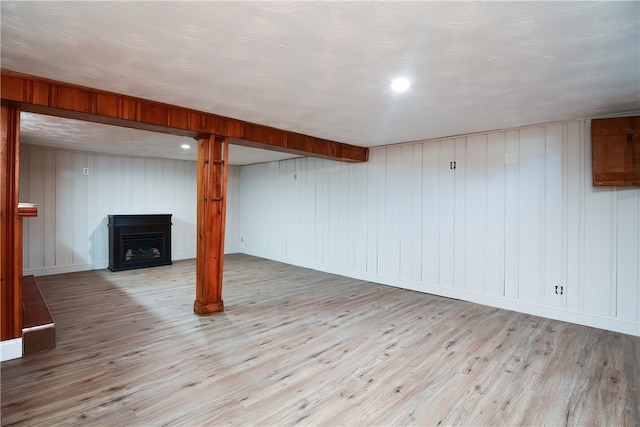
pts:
[586, 319]
[10, 349]
[556, 313]
[48, 271]
[182, 255]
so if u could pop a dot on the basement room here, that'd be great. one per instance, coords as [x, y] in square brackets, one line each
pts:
[329, 213]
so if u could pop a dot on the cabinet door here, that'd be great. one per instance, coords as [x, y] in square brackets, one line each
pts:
[616, 151]
[438, 198]
[464, 209]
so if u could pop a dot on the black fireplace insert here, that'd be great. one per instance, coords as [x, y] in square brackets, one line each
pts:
[137, 241]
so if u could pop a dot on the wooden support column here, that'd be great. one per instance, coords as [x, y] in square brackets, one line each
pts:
[10, 226]
[211, 213]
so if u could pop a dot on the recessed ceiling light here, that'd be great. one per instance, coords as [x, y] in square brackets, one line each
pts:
[400, 84]
[185, 146]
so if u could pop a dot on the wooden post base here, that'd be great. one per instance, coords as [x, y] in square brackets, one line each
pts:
[204, 309]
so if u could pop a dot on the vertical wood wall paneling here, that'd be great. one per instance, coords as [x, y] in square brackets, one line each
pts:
[137, 178]
[446, 215]
[495, 215]
[309, 209]
[248, 183]
[410, 212]
[323, 212]
[416, 206]
[407, 247]
[332, 248]
[148, 178]
[374, 179]
[389, 248]
[262, 196]
[431, 244]
[292, 200]
[292, 226]
[460, 213]
[70, 232]
[598, 244]
[564, 269]
[511, 273]
[277, 237]
[168, 169]
[244, 211]
[554, 256]
[475, 218]
[358, 217]
[628, 255]
[64, 226]
[585, 187]
[120, 184]
[232, 230]
[530, 212]
[343, 227]
[103, 197]
[516, 217]
[613, 254]
[80, 244]
[575, 172]
[313, 239]
[50, 234]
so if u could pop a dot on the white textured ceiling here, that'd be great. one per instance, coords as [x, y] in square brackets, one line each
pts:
[324, 68]
[37, 129]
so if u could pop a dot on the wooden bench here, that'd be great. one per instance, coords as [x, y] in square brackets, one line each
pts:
[38, 328]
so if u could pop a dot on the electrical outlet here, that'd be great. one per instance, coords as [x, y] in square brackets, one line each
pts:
[242, 239]
[559, 290]
[85, 171]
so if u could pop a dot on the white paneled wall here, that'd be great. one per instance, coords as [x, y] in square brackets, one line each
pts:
[517, 216]
[70, 232]
[232, 239]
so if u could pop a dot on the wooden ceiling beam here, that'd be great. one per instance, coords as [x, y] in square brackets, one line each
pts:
[38, 95]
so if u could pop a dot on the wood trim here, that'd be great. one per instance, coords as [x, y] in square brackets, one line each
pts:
[10, 226]
[27, 210]
[50, 97]
[210, 225]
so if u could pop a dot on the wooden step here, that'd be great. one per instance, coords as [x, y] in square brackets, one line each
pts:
[38, 329]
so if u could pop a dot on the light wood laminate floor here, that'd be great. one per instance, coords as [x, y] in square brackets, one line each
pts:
[297, 346]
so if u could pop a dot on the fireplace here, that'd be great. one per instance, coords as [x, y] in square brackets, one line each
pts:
[137, 241]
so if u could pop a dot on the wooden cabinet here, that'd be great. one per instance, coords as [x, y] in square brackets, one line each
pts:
[616, 151]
